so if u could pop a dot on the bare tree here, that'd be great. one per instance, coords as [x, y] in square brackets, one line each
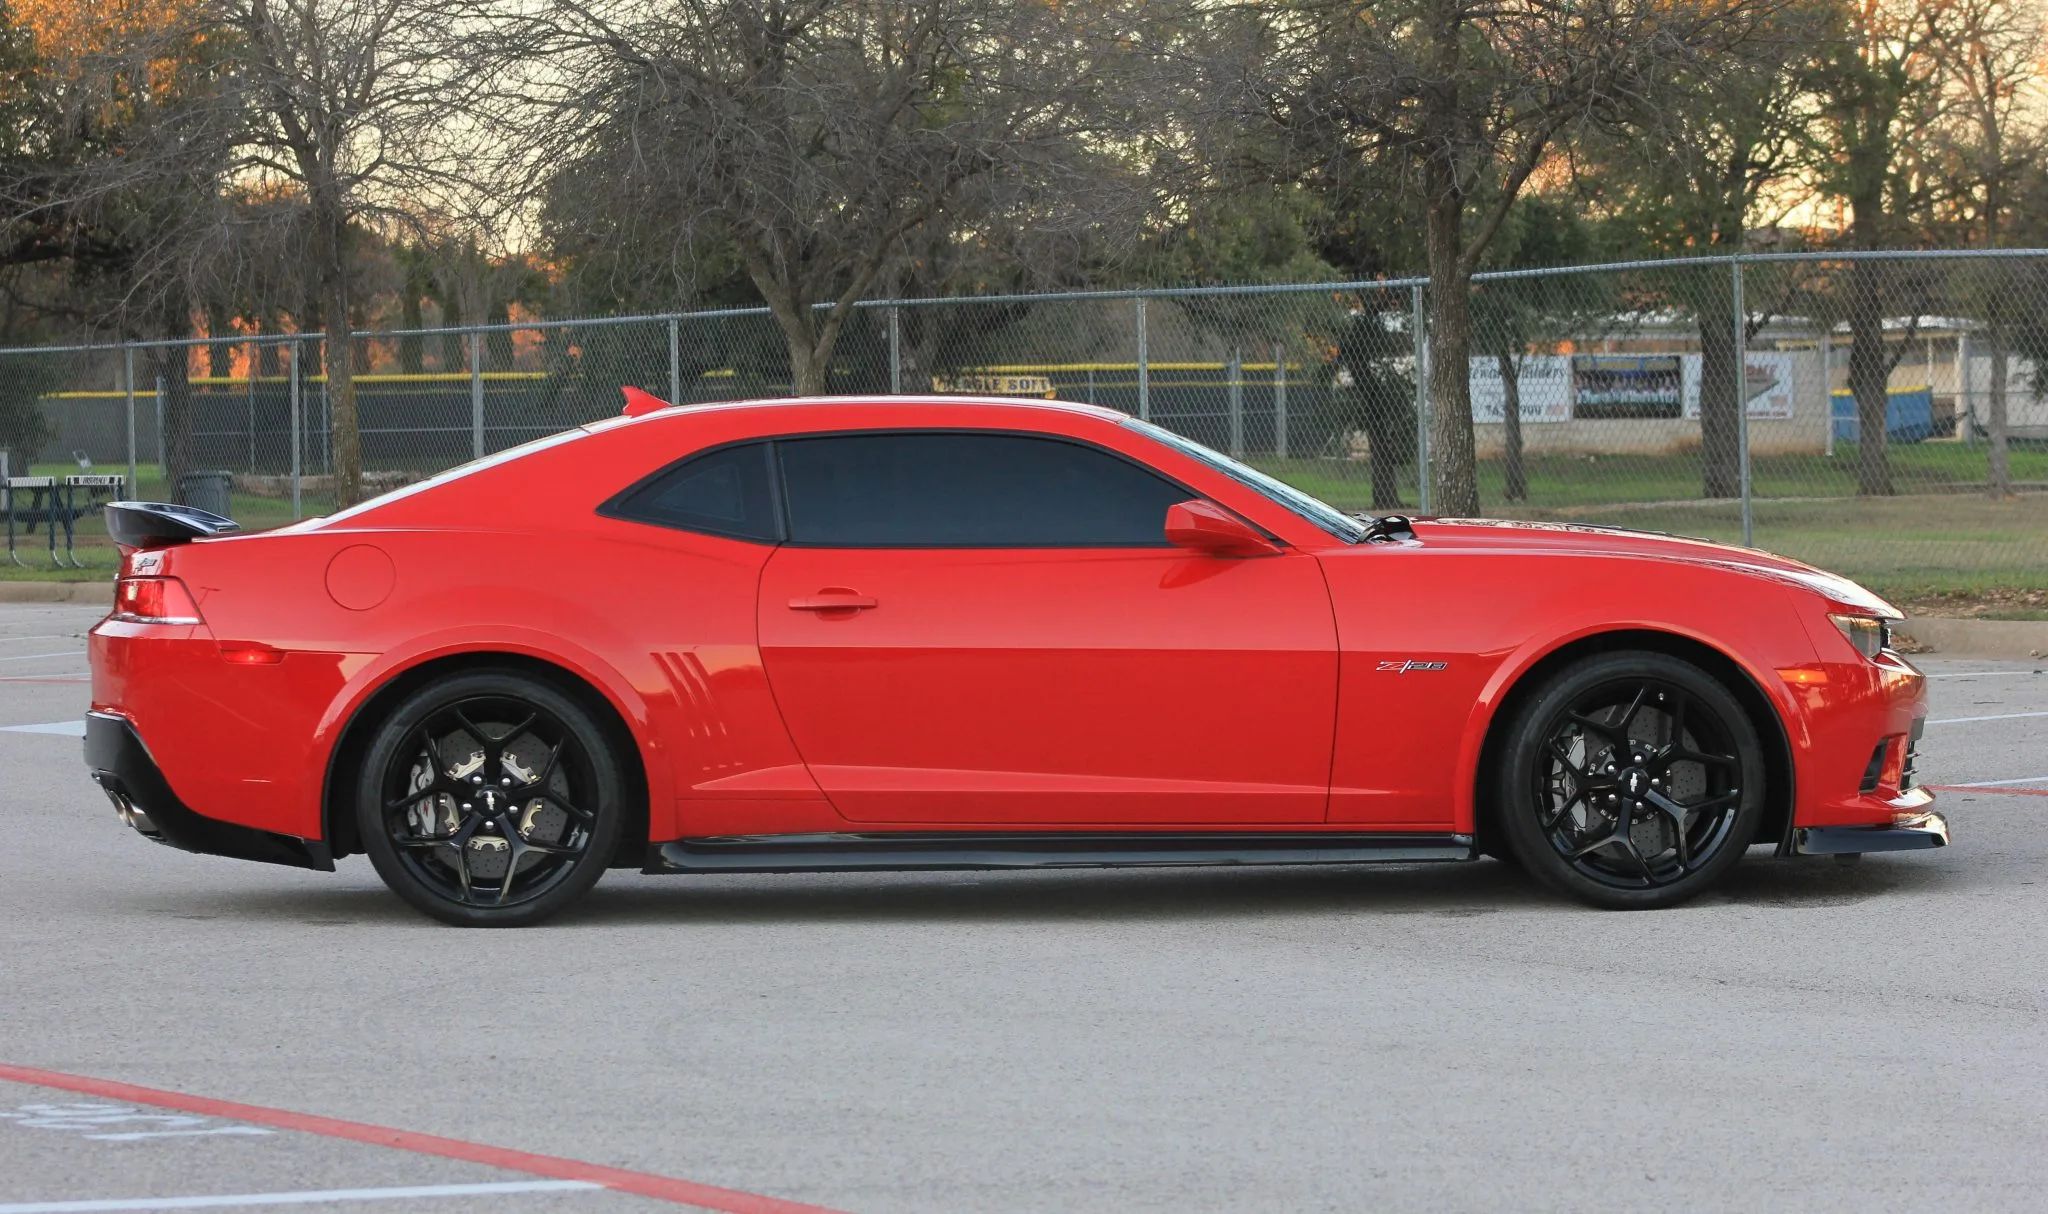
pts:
[809, 138]
[1989, 53]
[1725, 146]
[354, 107]
[1879, 91]
[1455, 105]
[336, 115]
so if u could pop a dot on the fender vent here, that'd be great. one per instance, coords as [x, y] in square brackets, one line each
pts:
[1873, 771]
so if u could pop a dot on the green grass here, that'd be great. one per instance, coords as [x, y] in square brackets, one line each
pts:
[1938, 539]
[1559, 481]
[91, 545]
[1940, 536]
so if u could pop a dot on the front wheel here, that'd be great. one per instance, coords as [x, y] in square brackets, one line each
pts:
[489, 799]
[1631, 780]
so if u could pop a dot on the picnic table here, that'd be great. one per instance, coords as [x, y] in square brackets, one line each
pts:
[54, 503]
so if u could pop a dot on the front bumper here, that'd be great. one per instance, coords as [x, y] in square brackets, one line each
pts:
[1906, 833]
[121, 764]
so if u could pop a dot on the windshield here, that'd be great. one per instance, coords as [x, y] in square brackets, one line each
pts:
[1316, 511]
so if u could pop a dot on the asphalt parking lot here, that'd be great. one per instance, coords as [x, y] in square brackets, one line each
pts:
[1812, 1037]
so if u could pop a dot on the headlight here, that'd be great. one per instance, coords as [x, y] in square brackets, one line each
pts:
[1867, 633]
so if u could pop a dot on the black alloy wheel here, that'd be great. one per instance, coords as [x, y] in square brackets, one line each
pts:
[491, 799]
[1630, 780]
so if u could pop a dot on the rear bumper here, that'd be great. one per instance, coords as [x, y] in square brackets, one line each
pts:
[1906, 833]
[122, 765]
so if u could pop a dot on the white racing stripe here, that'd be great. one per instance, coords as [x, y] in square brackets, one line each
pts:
[303, 1197]
[1996, 716]
[63, 729]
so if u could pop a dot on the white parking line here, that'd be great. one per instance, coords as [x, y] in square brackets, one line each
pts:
[2002, 783]
[37, 657]
[41, 636]
[1996, 716]
[303, 1197]
[63, 729]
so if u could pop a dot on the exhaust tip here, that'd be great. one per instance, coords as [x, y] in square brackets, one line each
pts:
[134, 816]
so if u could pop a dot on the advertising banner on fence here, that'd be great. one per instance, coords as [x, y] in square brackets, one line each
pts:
[1545, 383]
[1629, 385]
[1768, 384]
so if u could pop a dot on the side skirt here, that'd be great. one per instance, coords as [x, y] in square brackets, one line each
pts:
[938, 851]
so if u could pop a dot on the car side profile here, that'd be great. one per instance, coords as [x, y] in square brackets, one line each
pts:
[947, 633]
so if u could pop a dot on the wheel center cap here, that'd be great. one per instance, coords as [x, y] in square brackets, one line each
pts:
[1635, 781]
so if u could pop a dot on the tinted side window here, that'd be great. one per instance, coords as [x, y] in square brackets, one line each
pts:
[725, 492]
[968, 491]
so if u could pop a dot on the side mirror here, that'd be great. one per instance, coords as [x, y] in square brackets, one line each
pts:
[1207, 527]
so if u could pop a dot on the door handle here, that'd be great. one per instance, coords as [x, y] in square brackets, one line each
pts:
[832, 600]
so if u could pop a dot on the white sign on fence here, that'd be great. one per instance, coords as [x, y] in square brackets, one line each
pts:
[1545, 382]
[1770, 382]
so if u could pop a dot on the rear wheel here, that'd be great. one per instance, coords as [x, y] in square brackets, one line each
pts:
[489, 799]
[1630, 780]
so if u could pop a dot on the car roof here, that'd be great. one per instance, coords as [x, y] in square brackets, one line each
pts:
[1004, 403]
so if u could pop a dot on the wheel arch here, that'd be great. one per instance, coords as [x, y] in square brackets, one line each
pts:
[1734, 675]
[353, 739]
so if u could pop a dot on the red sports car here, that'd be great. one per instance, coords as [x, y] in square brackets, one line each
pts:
[804, 635]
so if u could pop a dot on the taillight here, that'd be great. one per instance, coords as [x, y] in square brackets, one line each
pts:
[154, 600]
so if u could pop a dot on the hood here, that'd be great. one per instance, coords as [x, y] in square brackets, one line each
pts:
[1578, 539]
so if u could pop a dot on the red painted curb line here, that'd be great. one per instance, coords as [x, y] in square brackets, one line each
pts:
[1996, 792]
[640, 1184]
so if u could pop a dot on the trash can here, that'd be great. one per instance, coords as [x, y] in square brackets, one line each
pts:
[207, 491]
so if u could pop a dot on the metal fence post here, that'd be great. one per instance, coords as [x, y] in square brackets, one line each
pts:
[1827, 382]
[476, 395]
[1742, 405]
[1144, 367]
[163, 454]
[1966, 423]
[297, 426]
[675, 360]
[1419, 340]
[250, 395]
[128, 391]
[1234, 398]
[1279, 400]
[895, 351]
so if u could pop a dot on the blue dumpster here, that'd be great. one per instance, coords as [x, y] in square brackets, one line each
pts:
[1908, 415]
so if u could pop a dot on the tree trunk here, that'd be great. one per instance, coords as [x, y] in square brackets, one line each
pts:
[498, 342]
[270, 354]
[1383, 464]
[170, 366]
[340, 359]
[454, 348]
[412, 349]
[807, 363]
[810, 353]
[220, 355]
[1720, 372]
[1999, 460]
[1510, 364]
[1453, 467]
[1868, 380]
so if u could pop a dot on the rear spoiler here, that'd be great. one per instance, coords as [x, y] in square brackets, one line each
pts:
[162, 524]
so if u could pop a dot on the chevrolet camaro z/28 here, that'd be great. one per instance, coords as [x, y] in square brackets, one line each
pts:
[806, 635]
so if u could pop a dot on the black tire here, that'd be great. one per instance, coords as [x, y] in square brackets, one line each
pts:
[1631, 780]
[490, 799]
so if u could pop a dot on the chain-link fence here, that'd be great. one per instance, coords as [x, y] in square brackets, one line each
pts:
[1878, 414]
